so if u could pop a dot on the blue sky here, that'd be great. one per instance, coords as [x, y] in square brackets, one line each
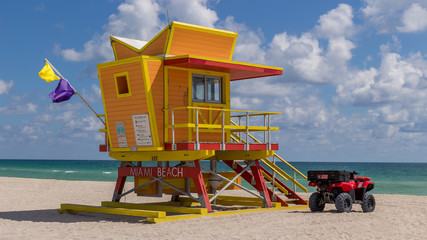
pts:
[354, 86]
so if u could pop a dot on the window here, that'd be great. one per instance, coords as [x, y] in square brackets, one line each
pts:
[122, 84]
[207, 88]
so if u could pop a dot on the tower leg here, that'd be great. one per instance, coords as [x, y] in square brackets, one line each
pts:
[260, 184]
[120, 184]
[200, 187]
[255, 175]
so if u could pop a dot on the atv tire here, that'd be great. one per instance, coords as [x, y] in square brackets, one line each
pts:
[343, 202]
[368, 203]
[316, 203]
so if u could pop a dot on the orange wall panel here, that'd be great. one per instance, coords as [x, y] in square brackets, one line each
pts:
[122, 109]
[178, 97]
[123, 52]
[157, 47]
[186, 41]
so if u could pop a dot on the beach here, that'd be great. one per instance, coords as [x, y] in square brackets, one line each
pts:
[28, 211]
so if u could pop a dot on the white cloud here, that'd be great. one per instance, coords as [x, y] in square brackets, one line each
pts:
[414, 19]
[336, 23]
[14, 109]
[96, 90]
[305, 60]
[65, 116]
[395, 15]
[396, 80]
[93, 95]
[194, 12]
[141, 19]
[28, 130]
[5, 86]
[249, 43]
[137, 19]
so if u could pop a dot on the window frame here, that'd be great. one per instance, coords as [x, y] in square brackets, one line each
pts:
[205, 88]
[126, 75]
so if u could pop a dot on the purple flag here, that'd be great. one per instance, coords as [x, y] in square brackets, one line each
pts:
[63, 92]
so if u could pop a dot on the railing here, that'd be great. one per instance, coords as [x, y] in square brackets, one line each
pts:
[272, 165]
[195, 124]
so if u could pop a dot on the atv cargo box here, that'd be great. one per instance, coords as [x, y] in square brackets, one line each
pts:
[329, 176]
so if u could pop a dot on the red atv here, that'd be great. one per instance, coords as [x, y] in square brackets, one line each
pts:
[341, 188]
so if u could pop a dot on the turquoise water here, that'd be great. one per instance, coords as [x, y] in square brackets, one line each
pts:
[390, 178]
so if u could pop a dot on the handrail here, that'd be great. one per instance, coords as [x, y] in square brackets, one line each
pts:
[281, 159]
[274, 167]
[225, 110]
[276, 183]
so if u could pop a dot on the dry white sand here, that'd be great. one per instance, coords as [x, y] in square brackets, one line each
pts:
[27, 211]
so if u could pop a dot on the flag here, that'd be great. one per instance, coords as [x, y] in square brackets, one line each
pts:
[47, 73]
[63, 91]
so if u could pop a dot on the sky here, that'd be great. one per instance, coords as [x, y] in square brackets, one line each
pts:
[354, 86]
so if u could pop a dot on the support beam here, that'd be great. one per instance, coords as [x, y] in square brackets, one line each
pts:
[117, 211]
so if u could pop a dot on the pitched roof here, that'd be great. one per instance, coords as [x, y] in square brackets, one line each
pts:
[134, 43]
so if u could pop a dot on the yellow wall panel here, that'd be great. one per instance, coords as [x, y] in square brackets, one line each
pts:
[155, 71]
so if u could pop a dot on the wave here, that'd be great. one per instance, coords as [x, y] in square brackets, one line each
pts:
[70, 171]
[106, 172]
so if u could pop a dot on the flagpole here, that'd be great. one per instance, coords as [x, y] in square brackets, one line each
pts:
[50, 64]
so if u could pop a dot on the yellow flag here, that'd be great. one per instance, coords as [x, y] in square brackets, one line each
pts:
[47, 74]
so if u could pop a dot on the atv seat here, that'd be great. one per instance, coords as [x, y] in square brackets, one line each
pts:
[363, 179]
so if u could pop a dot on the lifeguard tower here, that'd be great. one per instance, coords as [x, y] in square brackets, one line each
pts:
[167, 103]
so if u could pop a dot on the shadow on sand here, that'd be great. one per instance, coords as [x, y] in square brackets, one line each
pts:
[51, 215]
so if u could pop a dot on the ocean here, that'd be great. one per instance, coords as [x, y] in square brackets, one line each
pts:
[389, 178]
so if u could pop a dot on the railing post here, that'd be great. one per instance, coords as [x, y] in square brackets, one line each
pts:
[273, 197]
[197, 130]
[265, 132]
[173, 130]
[223, 131]
[247, 131]
[240, 124]
[269, 138]
[295, 187]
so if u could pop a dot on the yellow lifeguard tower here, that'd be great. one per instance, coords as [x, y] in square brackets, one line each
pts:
[168, 100]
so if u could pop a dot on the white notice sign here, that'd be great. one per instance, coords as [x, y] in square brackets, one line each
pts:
[121, 135]
[141, 126]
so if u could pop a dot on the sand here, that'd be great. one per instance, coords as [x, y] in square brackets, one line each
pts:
[28, 211]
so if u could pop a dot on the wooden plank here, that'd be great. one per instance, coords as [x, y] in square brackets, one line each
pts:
[244, 203]
[116, 211]
[155, 207]
[173, 218]
[236, 201]
[237, 198]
